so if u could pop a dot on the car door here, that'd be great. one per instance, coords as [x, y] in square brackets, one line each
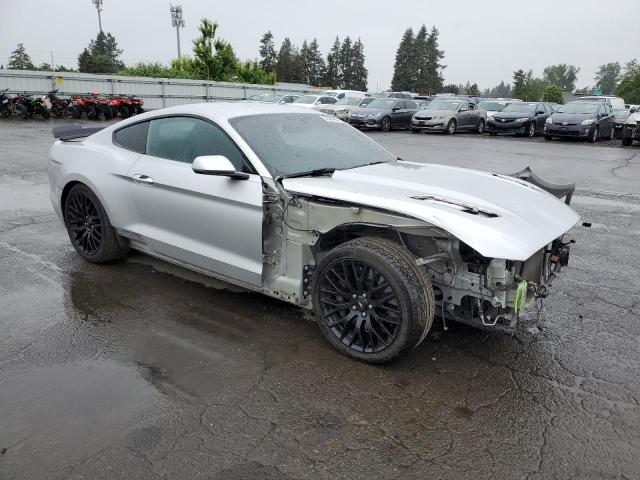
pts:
[463, 115]
[397, 113]
[607, 121]
[210, 222]
[412, 108]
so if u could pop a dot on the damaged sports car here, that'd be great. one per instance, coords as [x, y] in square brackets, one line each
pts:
[300, 206]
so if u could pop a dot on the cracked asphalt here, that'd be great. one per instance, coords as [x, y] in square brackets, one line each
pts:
[144, 370]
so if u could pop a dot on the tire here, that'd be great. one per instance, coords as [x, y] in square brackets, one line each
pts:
[45, 114]
[493, 134]
[627, 141]
[480, 128]
[548, 137]
[593, 138]
[75, 112]
[612, 135]
[123, 110]
[385, 124]
[106, 112]
[24, 111]
[93, 113]
[402, 303]
[415, 130]
[531, 129]
[89, 228]
[139, 110]
[451, 127]
[7, 113]
[56, 111]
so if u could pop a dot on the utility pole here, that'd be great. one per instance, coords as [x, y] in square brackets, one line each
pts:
[53, 73]
[177, 21]
[98, 4]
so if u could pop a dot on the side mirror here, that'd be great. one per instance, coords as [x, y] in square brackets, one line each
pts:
[218, 165]
[540, 112]
[395, 109]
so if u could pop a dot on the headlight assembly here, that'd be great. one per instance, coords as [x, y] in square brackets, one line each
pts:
[549, 120]
[588, 121]
[522, 120]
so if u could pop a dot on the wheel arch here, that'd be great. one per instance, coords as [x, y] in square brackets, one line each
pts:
[77, 180]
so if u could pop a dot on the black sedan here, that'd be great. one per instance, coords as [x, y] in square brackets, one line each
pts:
[524, 118]
[581, 119]
[384, 114]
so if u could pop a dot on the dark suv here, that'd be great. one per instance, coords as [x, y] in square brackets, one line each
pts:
[581, 119]
[524, 118]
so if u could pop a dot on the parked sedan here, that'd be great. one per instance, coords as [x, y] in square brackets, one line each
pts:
[449, 115]
[523, 118]
[493, 106]
[581, 119]
[383, 114]
[343, 106]
[274, 98]
[620, 119]
[300, 207]
[316, 102]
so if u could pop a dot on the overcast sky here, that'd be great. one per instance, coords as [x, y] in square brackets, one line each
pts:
[484, 42]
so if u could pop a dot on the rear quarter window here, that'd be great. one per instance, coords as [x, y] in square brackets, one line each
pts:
[133, 137]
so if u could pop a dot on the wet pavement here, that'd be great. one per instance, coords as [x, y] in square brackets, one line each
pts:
[144, 370]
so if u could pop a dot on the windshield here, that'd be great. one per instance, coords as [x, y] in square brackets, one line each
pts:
[271, 98]
[579, 108]
[520, 108]
[491, 106]
[306, 99]
[349, 101]
[382, 103]
[621, 114]
[444, 105]
[290, 143]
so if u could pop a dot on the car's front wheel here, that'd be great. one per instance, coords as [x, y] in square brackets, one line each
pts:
[372, 302]
[451, 127]
[385, 124]
[480, 128]
[595, 133]
[89, 228]
[531, 129]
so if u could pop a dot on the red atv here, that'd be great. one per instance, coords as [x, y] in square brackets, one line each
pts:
[59, 105]
[85, 104]
[126, 106]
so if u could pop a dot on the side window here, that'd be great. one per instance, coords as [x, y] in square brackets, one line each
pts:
[472, 106]
[184, 138]
[132, 138]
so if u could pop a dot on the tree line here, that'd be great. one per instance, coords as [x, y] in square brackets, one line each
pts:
[343, 68]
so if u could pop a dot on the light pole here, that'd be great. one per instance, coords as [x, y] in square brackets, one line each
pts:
[177, 21]
[98, 4]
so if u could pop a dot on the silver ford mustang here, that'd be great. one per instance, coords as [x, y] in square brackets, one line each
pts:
[300, 206]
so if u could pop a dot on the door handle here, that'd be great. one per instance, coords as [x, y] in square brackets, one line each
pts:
[142, 179]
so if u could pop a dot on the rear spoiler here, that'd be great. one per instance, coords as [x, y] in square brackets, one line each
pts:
[557, 190]
[71, 132]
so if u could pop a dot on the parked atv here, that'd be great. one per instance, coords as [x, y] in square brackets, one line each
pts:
[59, 105]
[85, 104]
[28, 106]
[6, 106]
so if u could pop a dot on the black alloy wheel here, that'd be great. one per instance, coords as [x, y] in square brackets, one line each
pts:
[89, 228]
[371, 301]
[385, 124]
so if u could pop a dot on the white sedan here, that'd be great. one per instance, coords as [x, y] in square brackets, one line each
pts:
[300, 206]
[320, 103]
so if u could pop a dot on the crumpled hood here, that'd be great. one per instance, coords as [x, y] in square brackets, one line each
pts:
[499, 216]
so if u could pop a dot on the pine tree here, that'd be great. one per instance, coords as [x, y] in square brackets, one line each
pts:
[268, 56]
[360, 72]
[346, 63]
[20, 60]
[434, 55]
[285, 66]
[422, 80]
[333, 77]
[404, 65]
[305, 63]
[101, 56]
[519, 78]
[315, 64]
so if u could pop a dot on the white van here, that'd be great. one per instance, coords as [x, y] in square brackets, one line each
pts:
[616, 103]
[340, 94]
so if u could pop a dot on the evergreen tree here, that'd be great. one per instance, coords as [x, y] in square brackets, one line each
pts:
[518, 84]
[561, 75]
[422, 79]
[451, 88]
[214, 58]
[435, 55]
[345, 64]
[305, 62]
[474, 90]
[333, 77]
[286, 64]
[315, 64]
[403, 69]
[360, 73]
[268, 56]
[20, 60]
[101, 56]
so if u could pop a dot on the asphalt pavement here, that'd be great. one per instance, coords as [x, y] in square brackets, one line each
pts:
[144, 370]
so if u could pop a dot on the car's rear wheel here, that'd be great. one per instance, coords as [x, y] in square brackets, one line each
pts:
[595, 133]
[415, 130]
[385, 124]
[451, 127]
[612, 134]
[89, 228]
[371, 300]
[548, 137]
[480, 128]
